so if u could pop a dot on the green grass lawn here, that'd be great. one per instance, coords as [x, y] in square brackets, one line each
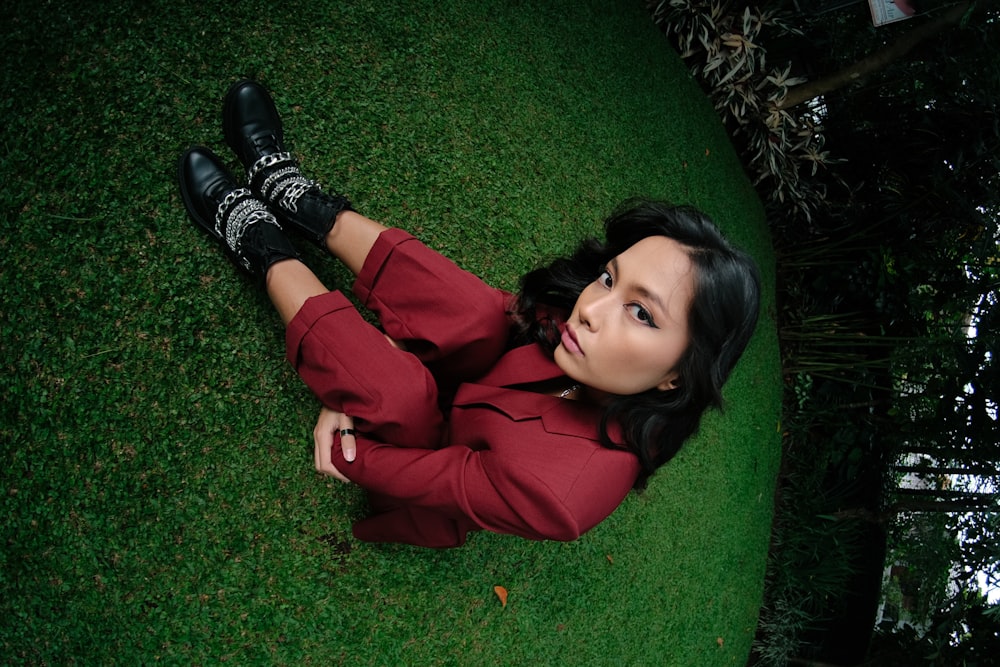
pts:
[159, 502]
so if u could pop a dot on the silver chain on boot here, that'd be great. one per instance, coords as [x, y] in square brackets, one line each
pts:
[285, 185]
[239, 211]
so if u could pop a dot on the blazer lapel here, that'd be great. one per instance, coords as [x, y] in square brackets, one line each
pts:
[524, 365]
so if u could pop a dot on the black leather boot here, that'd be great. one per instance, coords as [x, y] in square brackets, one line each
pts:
[253, 129]
[242, 224]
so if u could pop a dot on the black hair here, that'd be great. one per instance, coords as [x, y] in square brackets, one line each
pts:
[723, 316]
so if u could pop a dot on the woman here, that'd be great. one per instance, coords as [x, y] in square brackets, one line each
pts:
[532, 415]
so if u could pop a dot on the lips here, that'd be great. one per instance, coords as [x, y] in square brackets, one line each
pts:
[570, 342]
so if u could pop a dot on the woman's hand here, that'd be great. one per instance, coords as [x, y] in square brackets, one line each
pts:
[329, 422]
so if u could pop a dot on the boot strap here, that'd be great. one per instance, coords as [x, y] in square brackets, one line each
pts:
[238, 211]
[285, 184]
[268, 161]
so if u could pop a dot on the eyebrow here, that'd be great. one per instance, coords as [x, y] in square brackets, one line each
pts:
[643, 291]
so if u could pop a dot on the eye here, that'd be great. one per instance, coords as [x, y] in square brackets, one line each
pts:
[641, 314]
[605, 279]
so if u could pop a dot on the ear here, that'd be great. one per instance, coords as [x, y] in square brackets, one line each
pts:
[671, 381]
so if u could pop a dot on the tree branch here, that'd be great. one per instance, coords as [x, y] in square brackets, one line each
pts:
[875, 61]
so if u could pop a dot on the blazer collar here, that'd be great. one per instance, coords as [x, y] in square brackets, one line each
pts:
[527, 364]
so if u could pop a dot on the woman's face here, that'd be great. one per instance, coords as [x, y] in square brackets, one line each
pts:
[629, 328]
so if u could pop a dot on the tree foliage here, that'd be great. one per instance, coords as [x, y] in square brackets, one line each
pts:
[886, 284]
[722, 43]
[964, 631]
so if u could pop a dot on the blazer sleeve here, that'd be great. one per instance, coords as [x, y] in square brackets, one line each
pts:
[479, 489]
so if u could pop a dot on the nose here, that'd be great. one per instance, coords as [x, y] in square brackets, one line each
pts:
[592, 306]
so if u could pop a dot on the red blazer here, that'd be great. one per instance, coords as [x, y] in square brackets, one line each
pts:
[505, 459]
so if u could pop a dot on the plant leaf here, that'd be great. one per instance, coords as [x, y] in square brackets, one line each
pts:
[502, 594]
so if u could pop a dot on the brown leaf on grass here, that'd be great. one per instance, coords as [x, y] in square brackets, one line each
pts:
[610, 559]
[720, 641]
[502, 594]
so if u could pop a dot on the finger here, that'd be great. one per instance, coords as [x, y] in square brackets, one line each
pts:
[324, 446]
[322, 438]
[348, 443]
[336, 474]
[324, 459]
